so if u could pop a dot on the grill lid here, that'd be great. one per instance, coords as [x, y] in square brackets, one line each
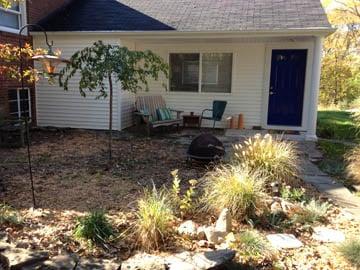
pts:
[206, 147]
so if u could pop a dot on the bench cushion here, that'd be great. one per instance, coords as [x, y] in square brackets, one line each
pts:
[164, 114]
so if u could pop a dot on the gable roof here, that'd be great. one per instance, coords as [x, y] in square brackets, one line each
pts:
[187, 15]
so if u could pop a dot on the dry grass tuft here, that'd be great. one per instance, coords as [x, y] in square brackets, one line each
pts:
[154, 219]
[235, 188]
[353, 167]
[274, 159]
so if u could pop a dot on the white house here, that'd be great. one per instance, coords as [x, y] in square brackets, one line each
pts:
[262, 56]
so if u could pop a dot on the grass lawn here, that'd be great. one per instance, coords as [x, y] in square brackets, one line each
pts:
[336, 125]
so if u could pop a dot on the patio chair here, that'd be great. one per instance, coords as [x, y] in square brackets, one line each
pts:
[148, 111]
[217, 110]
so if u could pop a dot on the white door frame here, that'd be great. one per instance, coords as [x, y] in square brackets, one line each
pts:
[309, 46]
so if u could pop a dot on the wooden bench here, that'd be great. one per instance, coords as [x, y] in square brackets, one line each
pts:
[146, 107]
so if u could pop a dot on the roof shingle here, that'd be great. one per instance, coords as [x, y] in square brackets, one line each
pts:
[187, 15]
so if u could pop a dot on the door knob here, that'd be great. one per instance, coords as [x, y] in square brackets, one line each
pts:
[272, 93]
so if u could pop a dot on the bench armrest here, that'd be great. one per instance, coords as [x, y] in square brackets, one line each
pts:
[178, 113]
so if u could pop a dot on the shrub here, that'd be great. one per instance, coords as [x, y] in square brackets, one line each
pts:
[153, 219]
[275, 159]
[250, 246]
[293, 194]
[312, 212]
[350, 250]
[8, 215]
[353, 167]
[183, 203]
[94, 228]
[235, 188]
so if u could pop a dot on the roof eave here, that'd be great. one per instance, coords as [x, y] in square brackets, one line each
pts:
[316, 31]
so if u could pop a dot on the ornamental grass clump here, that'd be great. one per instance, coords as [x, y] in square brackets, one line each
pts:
[94, 228]
[274, 159]
[235, 188]
[154, 219]
[350, 250]
[353, 167]
[250, 246]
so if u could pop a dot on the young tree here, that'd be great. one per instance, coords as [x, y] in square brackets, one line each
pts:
[101, 63]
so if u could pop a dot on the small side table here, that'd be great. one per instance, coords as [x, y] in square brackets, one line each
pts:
[191, 120]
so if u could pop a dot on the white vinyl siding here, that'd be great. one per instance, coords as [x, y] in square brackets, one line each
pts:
[56, 107]
[246, 86]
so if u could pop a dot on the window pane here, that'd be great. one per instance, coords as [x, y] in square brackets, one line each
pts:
[13, 107]
[9, 19]
[184, 72]
[24, 94]
[12, 94]
[216, 72]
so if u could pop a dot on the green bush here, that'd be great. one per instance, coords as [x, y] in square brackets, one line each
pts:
[154, 219]
[94, 228]
[8, 215]
[293, 194]
[350, 250]
[274, 159]
[235, 188]
[183, 203]
[312, 212]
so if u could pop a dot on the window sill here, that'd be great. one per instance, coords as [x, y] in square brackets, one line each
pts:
[12, 30]
[199, 93]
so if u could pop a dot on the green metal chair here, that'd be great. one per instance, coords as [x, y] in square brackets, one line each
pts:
[217, 110]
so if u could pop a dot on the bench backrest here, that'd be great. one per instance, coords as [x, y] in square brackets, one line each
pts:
[150, 104]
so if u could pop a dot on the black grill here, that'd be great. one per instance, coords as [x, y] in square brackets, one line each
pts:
[206, 147]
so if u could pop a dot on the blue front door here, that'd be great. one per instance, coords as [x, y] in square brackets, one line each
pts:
[286, 90]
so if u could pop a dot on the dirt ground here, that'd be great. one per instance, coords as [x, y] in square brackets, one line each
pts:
[72, 177]
[71, 172]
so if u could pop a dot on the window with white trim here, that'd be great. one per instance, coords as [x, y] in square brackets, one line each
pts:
[19, 102]
[11, 18]
[201, 72]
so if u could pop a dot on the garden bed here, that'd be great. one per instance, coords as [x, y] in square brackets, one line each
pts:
[72, 177]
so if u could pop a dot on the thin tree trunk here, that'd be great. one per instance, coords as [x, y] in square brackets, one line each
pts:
[110, 117]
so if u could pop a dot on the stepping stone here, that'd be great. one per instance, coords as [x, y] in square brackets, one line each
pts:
[143, 261]
[181, 261]
[327, 235]
[60, 262]
[284, 241]
[199, 261]
[22, 258]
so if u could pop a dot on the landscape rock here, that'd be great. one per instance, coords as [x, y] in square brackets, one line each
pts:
[213, 236]
[223, 224]
[199, 261]
[87, 264]
[4, 262]
[201, 233]
[327, 235]
[21, 258]
[182, 261]
[276, 208]
[60, 262]
[144, 261]
[284, 241]
[188, 228]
